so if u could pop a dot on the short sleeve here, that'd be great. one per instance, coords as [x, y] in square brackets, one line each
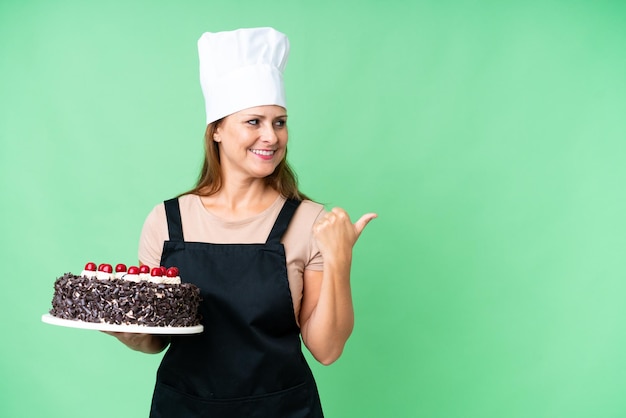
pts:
[153, 234]
[315, 260]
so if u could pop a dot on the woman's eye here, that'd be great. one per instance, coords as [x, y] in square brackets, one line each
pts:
[281, 123]
[253, 122]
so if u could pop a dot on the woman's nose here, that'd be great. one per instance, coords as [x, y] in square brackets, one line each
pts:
[269, 135]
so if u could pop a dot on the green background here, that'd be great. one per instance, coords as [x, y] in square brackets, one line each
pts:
[489, 136]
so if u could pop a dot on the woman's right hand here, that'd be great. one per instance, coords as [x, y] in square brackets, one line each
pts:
[146, 343]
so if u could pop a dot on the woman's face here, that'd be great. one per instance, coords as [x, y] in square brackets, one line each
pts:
[252, 142]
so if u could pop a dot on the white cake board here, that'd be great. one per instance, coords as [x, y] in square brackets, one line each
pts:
[102, 326]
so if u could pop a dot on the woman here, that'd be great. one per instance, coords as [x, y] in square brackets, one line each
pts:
[272, 265]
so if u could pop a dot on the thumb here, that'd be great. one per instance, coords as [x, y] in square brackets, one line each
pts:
[363, 221]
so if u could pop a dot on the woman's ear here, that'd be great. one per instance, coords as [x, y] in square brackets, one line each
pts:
[216, 133]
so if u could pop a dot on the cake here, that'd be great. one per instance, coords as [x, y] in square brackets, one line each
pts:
[134, 296]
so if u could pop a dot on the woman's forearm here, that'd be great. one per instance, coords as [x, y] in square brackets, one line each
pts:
[330, 324]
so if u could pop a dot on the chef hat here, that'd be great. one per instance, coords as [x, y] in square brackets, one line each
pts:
[241, 69]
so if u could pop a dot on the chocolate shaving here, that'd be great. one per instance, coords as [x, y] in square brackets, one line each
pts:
[123, 302]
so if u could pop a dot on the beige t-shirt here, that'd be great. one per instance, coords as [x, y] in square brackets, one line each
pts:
[199, 225]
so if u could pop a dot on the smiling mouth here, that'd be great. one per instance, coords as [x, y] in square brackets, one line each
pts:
[265, 153]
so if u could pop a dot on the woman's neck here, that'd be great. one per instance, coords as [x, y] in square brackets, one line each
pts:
[235, 202]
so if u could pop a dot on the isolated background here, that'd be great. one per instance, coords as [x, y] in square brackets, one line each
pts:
[489, 136]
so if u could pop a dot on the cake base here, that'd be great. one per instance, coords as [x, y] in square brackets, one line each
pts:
[103, 326]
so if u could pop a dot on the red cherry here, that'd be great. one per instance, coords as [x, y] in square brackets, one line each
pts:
[163, 271]
[143, 269]
[156, 272]
[107, 268]
[120, 268]
[90, 266]
[172, 272]
[133, 270]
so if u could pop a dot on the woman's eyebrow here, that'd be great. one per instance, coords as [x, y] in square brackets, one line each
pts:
[263, 116]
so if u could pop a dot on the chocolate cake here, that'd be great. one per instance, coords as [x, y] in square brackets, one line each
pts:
[125, 302]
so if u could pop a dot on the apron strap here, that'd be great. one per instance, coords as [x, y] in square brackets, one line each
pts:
[174, 222]
[282, 222]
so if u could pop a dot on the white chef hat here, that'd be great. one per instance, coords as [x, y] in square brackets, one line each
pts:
[241, 69]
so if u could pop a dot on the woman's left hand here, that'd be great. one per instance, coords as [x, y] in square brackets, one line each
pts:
[336, 234]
